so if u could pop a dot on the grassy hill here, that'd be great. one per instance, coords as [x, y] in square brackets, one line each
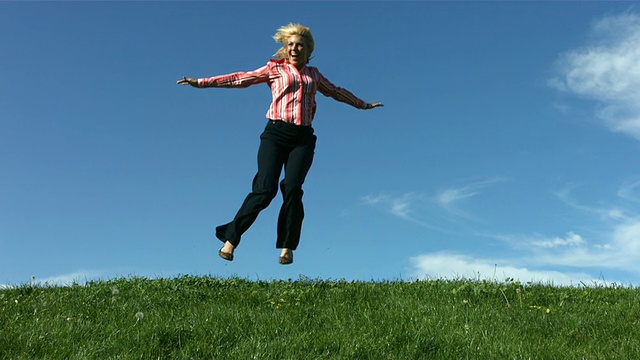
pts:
[211, 318]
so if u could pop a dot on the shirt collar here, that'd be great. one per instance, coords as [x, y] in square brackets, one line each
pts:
[286, 61]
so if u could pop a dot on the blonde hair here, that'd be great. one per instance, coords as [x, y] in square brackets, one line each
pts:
[285, 32]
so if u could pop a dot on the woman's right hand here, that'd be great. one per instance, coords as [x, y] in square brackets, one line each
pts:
[373, 105]
[187, 81]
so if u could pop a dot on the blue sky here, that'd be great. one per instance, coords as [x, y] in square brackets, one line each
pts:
[507, 148]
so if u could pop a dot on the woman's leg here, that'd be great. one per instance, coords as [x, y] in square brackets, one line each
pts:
[271, 158]
[291, 214]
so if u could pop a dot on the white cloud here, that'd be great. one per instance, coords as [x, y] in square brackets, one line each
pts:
[454, 266]
[79, 277]
[571, 239]
[608, 71]
[626, 242]
[619, 250]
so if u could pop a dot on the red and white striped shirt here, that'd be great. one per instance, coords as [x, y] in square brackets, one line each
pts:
[293, 90]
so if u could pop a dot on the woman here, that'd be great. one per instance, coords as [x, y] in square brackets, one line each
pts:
[287, 141]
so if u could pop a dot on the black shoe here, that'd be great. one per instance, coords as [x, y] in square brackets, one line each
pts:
[286, 260]
[225, 255]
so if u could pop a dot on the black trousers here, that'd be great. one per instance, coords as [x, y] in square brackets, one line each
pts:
[281, 145]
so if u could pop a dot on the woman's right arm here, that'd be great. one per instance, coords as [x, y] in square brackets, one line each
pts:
[233, 80]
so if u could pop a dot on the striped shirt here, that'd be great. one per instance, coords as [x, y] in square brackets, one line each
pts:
[293, 91]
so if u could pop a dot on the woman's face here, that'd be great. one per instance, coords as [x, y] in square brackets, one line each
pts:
[297, 51]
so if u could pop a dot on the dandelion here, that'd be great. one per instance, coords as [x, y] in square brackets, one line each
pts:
[115, 291]
[542, 308]
[139, 316]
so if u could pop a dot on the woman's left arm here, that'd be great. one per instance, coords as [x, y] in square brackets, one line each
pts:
[326, 88]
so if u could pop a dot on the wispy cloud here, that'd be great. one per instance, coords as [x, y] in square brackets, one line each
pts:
[610, 242]
[412, 206]
[607, 70]
[611, 246]
[449, 198]
[612, 213]
[619, 245]
[630, 191]
[401, 206]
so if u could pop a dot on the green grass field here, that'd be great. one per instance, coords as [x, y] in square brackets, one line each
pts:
[211, 318]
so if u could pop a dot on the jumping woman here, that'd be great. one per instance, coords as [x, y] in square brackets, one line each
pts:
[288, 140]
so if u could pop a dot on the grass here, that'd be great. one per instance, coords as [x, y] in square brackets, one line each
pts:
[212, 318]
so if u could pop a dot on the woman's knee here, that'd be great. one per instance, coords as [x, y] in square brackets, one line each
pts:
[291, 190]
